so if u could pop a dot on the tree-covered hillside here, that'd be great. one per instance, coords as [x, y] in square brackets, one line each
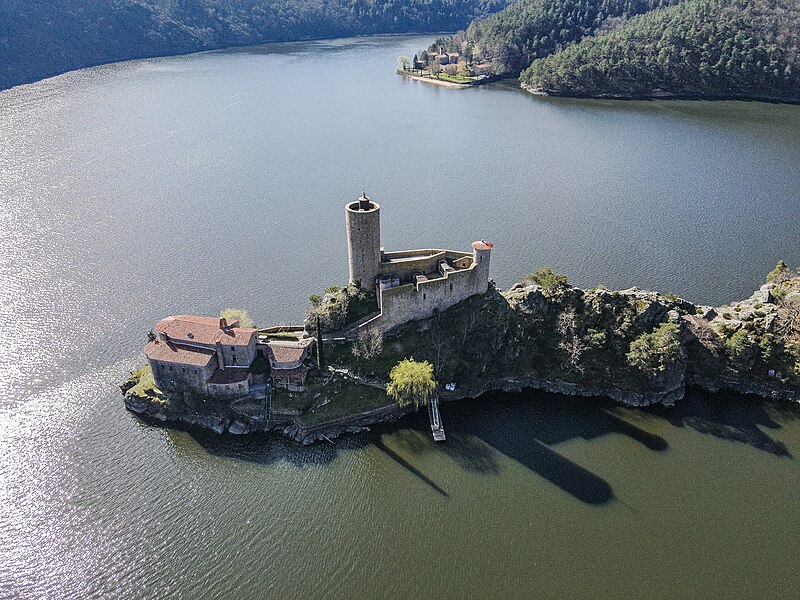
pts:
[529, 29]
[699, 48]
[39, 38]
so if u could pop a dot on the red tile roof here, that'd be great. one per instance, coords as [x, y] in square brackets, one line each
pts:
[167, 352]
[482, 245]
[286, 352]
[204, 330]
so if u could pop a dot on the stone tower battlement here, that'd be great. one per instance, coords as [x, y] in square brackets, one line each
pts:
[410, 284]
[364, 241]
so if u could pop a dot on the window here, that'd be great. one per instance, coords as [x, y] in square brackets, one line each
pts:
[233, 349]
[451, 287]
[424, 296]
[241, 386]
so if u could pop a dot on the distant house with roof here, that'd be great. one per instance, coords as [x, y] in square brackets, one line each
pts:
[202, 354]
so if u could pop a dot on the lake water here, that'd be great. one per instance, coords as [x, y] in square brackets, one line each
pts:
[189, 184]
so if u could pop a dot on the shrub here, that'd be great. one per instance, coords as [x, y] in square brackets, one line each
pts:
[332, 289]
[779, 274]
[758, 313]
[698, 311]
[658, 351]
[550, 282]
[671, 297]
[727, 316]
[315, 300]
[758, 305]
[741, 349]
[737, 308]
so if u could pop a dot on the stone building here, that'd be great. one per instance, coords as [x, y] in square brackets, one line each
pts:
[411, 284]
[288, 363]
[208, 355]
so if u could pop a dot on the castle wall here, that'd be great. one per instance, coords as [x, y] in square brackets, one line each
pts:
[426, 261]
[411, 303]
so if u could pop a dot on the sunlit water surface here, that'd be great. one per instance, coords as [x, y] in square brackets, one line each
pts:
[189, 184]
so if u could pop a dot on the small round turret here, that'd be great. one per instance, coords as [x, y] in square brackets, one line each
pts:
[364, 241]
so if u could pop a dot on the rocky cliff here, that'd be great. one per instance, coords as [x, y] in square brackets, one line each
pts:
[637, 347]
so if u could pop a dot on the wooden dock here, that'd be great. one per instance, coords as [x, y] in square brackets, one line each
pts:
[437, 427]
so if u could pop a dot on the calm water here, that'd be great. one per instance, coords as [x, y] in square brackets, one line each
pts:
[189, 184]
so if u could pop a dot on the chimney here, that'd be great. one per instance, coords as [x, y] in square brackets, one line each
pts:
[223, 323]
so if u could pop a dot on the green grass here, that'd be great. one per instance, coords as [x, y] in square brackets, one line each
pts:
[145, 386]
[457, 78]
[335, 399]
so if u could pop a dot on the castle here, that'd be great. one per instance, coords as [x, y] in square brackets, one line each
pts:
[215, 357]
[411, 284]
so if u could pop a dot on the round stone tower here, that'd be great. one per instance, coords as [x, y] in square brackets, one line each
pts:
[364, 241]
[481, 254]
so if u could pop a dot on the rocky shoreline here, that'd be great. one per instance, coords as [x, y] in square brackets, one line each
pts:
[541, 334]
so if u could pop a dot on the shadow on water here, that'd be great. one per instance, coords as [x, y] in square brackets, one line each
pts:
[730, 417]
[523, 427]
[407, 465]
[267, 449]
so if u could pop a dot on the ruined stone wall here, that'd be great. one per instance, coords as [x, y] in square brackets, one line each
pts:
[411, 303]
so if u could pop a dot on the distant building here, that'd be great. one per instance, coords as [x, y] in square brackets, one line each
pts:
[410, 284]
[202, 354]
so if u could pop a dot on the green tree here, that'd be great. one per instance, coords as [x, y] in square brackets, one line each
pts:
[462, 70]
[315, 300]
[151, 337]
[550, 282]
[779, 274]
[741, 350]
[657, 352]
[237, 314]
[411, 382]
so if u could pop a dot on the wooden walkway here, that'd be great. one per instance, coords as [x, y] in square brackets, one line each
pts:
[437, 427]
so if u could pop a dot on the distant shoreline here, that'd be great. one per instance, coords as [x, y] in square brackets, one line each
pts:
[656, 96]
[442, 82]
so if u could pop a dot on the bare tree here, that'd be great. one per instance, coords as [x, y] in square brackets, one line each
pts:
[467, 324]
[368, 344]
[570, 342]
[440, 344]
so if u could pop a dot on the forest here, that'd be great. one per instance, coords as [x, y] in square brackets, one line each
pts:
[41, 38]
[642, 48]
[699, 48]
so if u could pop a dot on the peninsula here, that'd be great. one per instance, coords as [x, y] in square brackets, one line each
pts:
[439, 307]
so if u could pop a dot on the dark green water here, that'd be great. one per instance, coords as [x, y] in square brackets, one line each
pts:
[189, 184]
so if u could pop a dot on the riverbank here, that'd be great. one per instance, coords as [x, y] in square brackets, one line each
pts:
[657, 95]
[434, 80]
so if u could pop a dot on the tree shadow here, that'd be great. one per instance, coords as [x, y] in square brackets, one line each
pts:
[731, 417]
[268, 449]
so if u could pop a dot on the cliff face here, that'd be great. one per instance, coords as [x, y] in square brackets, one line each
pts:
[634, 346]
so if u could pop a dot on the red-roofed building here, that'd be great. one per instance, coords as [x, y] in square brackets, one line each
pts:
[202, 354]
[287, 363]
